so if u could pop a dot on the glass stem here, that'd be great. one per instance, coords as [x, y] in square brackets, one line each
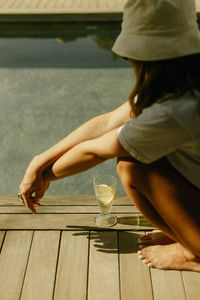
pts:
[105, 213]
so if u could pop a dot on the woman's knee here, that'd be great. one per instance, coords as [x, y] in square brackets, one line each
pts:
[128, 170]
[123, 167]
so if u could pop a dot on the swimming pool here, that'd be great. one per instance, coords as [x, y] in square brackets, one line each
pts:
[59, 45]
[54, 77]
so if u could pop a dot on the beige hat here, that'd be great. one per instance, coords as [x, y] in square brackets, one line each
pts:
[158, 29]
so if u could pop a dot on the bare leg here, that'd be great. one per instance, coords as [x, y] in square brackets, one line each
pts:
[126, 173]
[165, 236]
[172, 204]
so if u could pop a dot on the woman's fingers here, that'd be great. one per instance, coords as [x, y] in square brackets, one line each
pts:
[38, 196]
[27, 201]
[30, 194]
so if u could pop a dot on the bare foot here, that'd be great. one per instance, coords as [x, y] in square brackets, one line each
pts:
[155, 237]
[169, 257]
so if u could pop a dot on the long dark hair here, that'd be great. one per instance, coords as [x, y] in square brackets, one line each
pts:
[157, 79]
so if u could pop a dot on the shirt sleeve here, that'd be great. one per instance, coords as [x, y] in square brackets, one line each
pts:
[152, 134]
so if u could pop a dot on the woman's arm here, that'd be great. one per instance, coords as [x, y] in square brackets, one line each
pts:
[86, 155]
[78, 159]
[33, 181]
[89, 130]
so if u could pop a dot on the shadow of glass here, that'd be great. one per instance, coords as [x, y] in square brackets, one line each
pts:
[138, 222]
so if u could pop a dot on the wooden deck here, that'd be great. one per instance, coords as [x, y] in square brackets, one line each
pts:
[63, 10]
[59, 254]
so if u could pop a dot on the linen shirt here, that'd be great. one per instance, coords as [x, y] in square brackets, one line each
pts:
[169, 128]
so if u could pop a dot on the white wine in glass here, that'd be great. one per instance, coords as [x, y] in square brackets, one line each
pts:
[105, 187]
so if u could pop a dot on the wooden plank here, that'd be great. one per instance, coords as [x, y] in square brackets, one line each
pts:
[2, 2]
[103, 267]
[167, 284]
[71, 280]
[51, 4]
[75, 209]
[89, 6]
[2, 236]
[13, 261]
[70, 11]
[41, 268]
[61, 3]
[43, 4]
[7, 4]
[17, 4]
[66, 200]
[191, 282]
[67, 6]
[32, 5]
[197, 5]
[27, 4]
[135, 276]
[67, 222]
[135, 220]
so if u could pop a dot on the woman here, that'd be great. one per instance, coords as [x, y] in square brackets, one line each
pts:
[155, 135]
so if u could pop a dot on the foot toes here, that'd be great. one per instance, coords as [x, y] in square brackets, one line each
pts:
[143, 256]
[144, 251]
[141, 247]
[150, 265]
[145, 261]
[145, 237]
[144, 242]
[140, 256]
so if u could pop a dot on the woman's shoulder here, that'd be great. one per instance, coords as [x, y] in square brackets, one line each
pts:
[187, 99]
[185, 109]
[187, 103]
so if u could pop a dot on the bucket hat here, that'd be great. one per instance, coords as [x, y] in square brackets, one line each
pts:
[158, 30]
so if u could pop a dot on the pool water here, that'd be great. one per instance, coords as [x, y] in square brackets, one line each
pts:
[59, 45]
[54, 77]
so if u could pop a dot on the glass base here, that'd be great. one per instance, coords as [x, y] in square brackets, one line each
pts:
[105, 220]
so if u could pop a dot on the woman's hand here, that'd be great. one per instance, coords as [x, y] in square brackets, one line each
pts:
[32, 189]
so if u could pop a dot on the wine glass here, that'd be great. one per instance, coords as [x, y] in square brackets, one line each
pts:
[105, 187]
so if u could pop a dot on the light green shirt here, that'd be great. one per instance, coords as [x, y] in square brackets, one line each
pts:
[169, 128]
